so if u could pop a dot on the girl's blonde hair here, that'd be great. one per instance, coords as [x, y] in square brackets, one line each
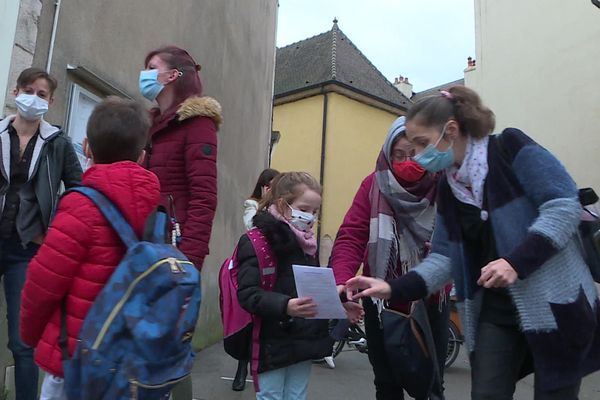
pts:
[288, 186]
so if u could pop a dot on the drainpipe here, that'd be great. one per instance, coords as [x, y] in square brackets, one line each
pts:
[322, 171]
[57, 4]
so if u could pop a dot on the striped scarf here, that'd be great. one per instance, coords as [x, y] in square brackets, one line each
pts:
[402, 218]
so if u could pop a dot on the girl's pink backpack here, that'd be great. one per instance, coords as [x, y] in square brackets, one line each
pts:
[241, 330]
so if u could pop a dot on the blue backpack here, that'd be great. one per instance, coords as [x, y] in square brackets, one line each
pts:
[135, 342]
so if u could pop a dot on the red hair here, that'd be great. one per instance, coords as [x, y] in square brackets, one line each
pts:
[189, 83]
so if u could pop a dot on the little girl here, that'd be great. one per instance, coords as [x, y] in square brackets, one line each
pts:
[288, 341]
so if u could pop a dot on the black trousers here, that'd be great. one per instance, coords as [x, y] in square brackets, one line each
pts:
[386, 386]
[500, 352]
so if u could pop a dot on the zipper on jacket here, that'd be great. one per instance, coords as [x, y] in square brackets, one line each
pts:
[50, 182]
[121, 303]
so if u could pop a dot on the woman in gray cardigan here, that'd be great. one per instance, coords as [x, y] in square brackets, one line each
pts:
[505, 232]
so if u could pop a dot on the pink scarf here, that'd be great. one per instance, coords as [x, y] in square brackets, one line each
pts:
[306, 240]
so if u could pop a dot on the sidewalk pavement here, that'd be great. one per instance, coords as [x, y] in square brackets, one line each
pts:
[351, 379]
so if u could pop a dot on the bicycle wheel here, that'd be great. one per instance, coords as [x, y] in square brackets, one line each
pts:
[340, 341]
[453, 344]
[338, 345]
[359, 337]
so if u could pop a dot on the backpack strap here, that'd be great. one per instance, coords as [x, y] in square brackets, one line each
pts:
[267, 265]
[157, 224]
[110, 212]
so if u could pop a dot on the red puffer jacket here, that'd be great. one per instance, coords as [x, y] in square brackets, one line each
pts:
[182, 152]
[79, 255]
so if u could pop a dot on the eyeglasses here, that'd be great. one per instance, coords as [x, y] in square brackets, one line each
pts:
[401, 156]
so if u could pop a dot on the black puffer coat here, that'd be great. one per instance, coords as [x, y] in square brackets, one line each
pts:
[284, 340]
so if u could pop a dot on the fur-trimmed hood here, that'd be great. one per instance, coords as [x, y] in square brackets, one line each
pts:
[201, 107]
[278, 234]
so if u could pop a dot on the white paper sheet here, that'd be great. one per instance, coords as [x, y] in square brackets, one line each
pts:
[319, 285]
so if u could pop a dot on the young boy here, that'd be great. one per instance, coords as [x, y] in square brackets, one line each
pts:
[81, 250]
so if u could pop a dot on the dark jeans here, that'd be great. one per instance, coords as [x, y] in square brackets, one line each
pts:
[13, 267]
[386, 386]
[499, 355]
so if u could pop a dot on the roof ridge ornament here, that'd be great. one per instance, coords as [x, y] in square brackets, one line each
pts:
[334, 49]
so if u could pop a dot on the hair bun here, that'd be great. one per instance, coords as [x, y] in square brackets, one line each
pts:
[198, 67]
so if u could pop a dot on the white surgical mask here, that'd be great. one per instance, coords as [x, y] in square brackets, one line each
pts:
[31, 107]
[301, 220]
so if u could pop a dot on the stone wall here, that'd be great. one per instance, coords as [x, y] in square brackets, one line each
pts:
[24, 47]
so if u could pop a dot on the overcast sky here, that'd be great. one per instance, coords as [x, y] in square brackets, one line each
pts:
[427, 41]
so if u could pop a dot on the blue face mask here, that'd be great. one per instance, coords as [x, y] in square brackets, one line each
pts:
[150, 87]
[31, 107]
[434, 160]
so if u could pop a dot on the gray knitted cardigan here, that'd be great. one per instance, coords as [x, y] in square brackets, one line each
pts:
[534, 210]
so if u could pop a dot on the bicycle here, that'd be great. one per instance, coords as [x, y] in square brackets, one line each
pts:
[455, 336]
[351, 336]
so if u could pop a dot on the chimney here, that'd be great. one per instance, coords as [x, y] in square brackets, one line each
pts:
[470, 64]
[404, 86]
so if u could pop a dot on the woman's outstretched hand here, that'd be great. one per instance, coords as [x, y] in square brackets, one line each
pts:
[362, 286]
[497, 274]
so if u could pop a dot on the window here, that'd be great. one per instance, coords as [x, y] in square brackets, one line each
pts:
[81, 105]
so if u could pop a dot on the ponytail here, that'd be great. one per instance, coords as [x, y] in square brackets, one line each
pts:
[459, 103]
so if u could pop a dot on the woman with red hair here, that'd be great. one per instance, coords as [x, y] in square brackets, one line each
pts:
[182, 147]
[182, 150]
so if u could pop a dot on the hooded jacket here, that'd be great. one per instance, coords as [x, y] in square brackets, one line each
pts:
[54, 161]
[283, 340]
[182, 152]
[80, 253]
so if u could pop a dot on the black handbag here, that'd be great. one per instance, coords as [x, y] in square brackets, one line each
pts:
[410, 349]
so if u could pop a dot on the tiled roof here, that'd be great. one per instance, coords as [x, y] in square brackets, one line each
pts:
[434, 90]
[327, 57]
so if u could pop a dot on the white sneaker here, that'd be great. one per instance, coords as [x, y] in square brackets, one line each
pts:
[329, 361]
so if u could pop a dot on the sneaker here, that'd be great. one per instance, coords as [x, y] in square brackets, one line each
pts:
[329, 361]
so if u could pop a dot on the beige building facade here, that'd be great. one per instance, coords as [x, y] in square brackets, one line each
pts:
[19, 22]
[537, 67]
